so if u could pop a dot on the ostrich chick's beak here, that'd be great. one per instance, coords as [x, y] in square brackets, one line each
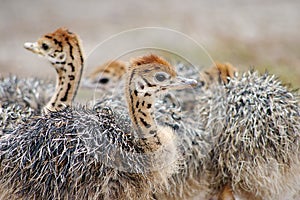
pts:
[182, 83]
[32, 47]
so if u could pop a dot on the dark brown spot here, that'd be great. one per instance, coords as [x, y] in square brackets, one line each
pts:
[269, 112]
[62, 63]
[145, 123]
[58, 42]
[142, 113]
[149, 84]
[141, 85]
[67, 93]
[72, 66]
[149, 105]
[71, 77]
[132, 108]
[147, 94]
[70, 48]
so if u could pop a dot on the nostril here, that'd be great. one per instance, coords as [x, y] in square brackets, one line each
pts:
[201, 83]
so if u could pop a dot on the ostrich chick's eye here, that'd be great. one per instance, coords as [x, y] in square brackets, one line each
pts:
[160, 77]
[103, 80]
[45, 46]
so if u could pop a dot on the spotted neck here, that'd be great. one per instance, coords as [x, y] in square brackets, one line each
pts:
[68, 78]
[141, 109]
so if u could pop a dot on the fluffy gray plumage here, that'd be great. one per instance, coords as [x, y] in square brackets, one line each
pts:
[255, 127]
[79, 154]
[20, 98]
[247, 135]
[177, 110]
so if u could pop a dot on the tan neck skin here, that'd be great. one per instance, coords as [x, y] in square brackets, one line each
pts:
[141, 112]
[141, 109]
[68, 79]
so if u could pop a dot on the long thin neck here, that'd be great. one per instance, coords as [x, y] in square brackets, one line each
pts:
[68, 80]
[141, 109]
[151, 138]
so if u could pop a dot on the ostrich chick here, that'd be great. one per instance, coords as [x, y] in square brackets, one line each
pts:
[78, 153]
[63, 49]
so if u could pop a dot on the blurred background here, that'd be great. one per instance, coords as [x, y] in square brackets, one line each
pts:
[259, 34]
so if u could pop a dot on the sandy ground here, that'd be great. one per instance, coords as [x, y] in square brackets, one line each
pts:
[263, 34]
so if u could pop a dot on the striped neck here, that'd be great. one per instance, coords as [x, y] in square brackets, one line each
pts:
[69, 74]
[141, 108]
